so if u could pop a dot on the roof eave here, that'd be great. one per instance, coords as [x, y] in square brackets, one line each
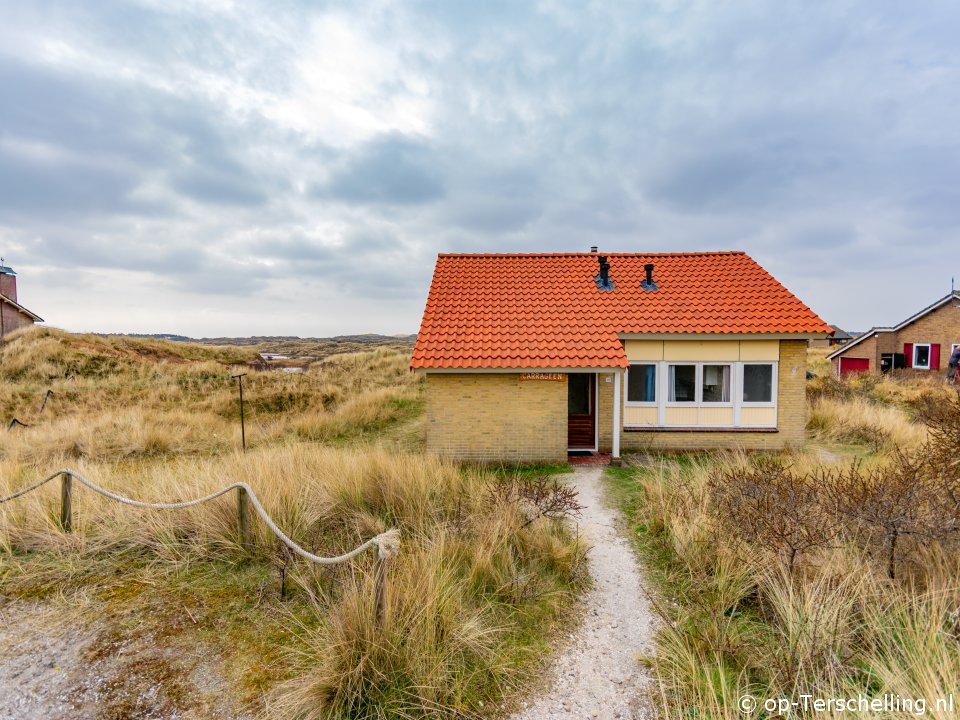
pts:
[20, 308]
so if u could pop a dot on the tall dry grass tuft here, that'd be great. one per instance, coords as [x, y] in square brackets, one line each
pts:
[859, 420]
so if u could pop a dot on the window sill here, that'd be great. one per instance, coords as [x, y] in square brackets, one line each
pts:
[695, 428]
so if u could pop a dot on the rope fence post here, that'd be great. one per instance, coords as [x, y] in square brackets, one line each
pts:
[380, 581]
[243, 518]
[66, 502]
[388, 545]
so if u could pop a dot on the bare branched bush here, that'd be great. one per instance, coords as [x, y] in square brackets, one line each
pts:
[907, 497]
[771, 507]
[537, 497]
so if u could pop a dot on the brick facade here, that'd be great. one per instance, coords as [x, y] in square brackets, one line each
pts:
[940, 326]
[496, 417]
[499, 417]
[10, 317]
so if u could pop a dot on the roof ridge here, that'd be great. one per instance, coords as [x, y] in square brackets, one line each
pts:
[693, 253]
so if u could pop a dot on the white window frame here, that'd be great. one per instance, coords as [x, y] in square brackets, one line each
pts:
[656, 386]
[662, 381]
[774, 390]
[715, 403]
[916, 346]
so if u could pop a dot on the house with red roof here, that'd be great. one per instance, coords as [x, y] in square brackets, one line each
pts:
[529, 357]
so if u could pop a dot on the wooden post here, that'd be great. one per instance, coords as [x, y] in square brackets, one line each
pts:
[243, 518]
[380, 590]
[66, 503]
[243, 430]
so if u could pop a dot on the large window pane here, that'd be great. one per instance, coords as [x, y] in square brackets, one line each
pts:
[758, 383]
[642, 383]
[683, 383]
[921, 356]
[716, 383]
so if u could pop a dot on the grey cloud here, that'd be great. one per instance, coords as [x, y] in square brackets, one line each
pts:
[29, 188]
[819, 138]
[391, 171]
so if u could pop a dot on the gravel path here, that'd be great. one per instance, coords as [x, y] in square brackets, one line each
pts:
[58, 665]
[598, 675]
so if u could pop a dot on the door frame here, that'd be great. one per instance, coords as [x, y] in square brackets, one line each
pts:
[596, 416]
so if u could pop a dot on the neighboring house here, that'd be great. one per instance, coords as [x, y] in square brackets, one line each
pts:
[12, 315]
[922, 342]
[528, 357]
[839, 337]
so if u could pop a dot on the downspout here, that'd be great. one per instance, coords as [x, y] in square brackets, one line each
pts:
[616, 415]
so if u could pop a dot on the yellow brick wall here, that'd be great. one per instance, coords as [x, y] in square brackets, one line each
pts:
[496, 417]
[499, 417]
[791, 416]
[605, 410]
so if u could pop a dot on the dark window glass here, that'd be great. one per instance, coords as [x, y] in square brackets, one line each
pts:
[758, 383]
[921, 356]
[578, 393]
[642, 383]
[683, 383]
[716, 383]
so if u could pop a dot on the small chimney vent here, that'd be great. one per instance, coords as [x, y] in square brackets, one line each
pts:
[594, 248]
[648, 284]
[603, 280]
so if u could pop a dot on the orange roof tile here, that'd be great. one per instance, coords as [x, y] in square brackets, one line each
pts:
[545, 311]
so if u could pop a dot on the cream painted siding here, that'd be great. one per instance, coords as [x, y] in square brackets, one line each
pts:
[643, 349]
[759, 350]
[702, 350]
[716, 416]
[759, 416]
[640, 415]
[680, 416]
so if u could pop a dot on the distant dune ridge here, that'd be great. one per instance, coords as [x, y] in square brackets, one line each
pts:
[365, 338]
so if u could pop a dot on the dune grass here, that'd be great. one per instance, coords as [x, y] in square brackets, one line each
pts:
[472, 598]
[779, 576]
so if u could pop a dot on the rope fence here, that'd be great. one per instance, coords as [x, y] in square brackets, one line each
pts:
[387, 543]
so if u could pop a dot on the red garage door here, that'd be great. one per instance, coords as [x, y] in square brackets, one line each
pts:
[854, 365]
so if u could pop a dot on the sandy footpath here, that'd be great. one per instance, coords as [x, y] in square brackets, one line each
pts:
[598, 675]
[58, 666]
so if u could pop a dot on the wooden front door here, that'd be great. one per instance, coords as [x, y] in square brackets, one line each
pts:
[581, 411]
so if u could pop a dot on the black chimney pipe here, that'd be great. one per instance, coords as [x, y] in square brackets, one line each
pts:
[603, 280]
[649, 285]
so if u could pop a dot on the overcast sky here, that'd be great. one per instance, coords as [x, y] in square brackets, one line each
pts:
[238, 168]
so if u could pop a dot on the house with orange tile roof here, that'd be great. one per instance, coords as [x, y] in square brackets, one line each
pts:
[529, 357]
